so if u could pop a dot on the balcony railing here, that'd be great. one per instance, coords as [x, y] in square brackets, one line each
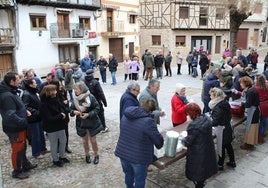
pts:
[79, 2]
[7, 36]
[71, 30]
[83, 4]
[112, 26]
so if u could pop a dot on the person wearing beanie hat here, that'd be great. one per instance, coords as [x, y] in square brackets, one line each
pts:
[96, 90]
[178, 105]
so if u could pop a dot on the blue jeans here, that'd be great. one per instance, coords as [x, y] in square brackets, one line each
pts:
[262, 127]
[135, 174]
[159, 72]
[206, 107]
[103, 76]
[38, 139]
[113, 78]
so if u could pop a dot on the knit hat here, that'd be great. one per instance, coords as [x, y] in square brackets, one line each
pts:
[89, 71]
[179, 87]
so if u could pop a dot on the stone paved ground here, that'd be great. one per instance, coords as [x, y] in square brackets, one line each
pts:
[108, 172]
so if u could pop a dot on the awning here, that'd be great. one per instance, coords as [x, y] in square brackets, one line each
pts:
[62, 10]
[6, 3]
[132, 13]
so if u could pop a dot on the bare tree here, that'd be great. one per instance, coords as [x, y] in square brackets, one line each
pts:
[239, 11]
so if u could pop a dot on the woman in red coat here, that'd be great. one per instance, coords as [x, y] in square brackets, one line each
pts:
[261, 87]
[178, 105]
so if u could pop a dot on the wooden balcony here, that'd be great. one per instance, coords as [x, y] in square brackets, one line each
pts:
[7, 37]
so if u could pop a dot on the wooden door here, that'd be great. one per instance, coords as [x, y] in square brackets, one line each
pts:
[116, 48]
[130, 48]
[6, 64]
[218, 45]
[63, 25]
[242, 38]
[256, 37]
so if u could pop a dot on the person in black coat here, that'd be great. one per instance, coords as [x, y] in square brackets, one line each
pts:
[86, 109]
[221, 120]
[135, 146]
[54, 117]
[201, 157]
[113, 67]
[63, 99]
[35, 124]
[14, 124]
[251, 103]
[204, 64]
[96, 90]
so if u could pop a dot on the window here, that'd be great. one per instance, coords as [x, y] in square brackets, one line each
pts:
[258, 8]
[203, 16]
[184, 12]
[38, 22]
[180, 41]
[84, 22]
[156, 40]
[219, 13]
[68, 52]
[132, 19]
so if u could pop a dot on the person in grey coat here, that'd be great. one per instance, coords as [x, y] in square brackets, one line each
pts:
[150, 92]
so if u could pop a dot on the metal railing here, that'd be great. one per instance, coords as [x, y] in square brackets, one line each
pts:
[95, 3]
[7, 36]
[111, 26]
[71, 30]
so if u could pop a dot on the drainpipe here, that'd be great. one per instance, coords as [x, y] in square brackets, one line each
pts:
[16, 35]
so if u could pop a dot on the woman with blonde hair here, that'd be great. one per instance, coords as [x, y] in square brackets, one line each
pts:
[86, 109]
[221, 120]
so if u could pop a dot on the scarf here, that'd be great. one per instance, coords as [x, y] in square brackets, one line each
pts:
[82, 101]
[214, 102]
[183, 98]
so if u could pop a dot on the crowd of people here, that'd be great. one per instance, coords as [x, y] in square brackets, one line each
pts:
[33, 110]
[37, 108]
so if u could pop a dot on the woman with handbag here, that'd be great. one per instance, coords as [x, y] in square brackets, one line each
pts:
[86, 108]
[221, 121]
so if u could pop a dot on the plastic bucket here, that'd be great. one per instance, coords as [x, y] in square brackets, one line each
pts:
[171, 142]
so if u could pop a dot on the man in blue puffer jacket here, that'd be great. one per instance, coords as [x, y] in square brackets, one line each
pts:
[135, 147]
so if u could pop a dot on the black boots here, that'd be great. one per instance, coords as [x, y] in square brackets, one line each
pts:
[96, 160]
[19, 174]
[231, 164]
[88, 160]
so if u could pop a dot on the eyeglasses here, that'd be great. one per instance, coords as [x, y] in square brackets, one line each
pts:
[137, 90]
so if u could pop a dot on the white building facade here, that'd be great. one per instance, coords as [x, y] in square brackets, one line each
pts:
[118, 28]
[52, 32]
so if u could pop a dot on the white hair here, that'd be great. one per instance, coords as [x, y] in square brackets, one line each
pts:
[179, 87]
